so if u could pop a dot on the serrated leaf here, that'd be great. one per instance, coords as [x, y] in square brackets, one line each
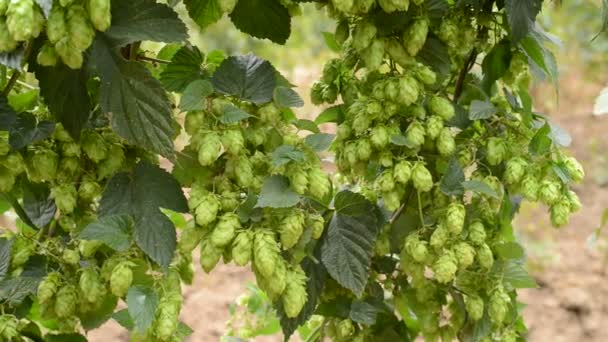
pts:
[139, 20]
[248, 211]
[141, 112]
[540, 56]
[480, 110]
[7, 115]
[233, 114]
[114, 231]
[480, 188]
[495, 64]
[187, 169]
[451, 183]
[348, 246]
[435, 54]
[286, 97]
[204, 12]
[13, 59]
[27, 130]
[285, 154]
[6, 246]
[364, 312]
[509, 250]
[521, 15]
[94, 319]
[247, 77]
[514, 274]
[38, 205]
[195, 95]
[155, 235]
[331, 114]
[24, 101]
[276, 193]
[14, 290]
[540, 142]
[562, 172]
[185, 68]
[65, 93]
[306, 125]
[124, 319]
[271, 20]
[319, 142]
[142, 303]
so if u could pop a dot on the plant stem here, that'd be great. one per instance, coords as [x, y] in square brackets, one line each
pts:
[15, 77]
[468, 64]
[150, 59]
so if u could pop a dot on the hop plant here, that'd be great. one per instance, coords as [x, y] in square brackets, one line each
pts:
[291, 229]
[454, 218]
[266, 252]
[66, 300]
[477, 233]
[225, 230]
[515, 170]
[48, 287]
[90, 285]
[295, 296]
[242, 248]
[445, 268]
[498, 306]
[415, 36]
[100, 14]
[496, 151]
[422, 178]
[121, 278]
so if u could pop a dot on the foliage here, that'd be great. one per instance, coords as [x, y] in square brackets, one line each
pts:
[412, 237]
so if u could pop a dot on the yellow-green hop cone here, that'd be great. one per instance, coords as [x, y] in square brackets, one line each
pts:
[316, 223]
[415, 133]
[515, 170]
[20, 19]
[403, 172]
[206, 212]
[343, 5]
[121, 278]
[415, 248]
[68, 169]
[379, 137]
[442, 107]
[298, 179]
[574, 201]
[115, 161]
[88, 248]
[465, 254]
[80, 30]
[422, 178]
[496, 151]
[266, 252]
[225, 230]
[244, 172]
[242, 248]
[485, 257]
[294, 297]
[477, 233]
[415, 36]
[193, 122]
[474, 306]
[209, 149]
[560, 213]
[48, 287]
[498, 307]
[65, 197]
[89, 189]
[409, 90]
[227, 6]
[94, 146]
[373, 55]
[385, 182]
[70, 256]
[397, 52]
[454, 218]
[42, 165]
[91, 287]
[70, 56]
[7, 42]
[233, 141]
[575, 169]
[210, 255]
[9, 328]
[529, 187]
[190, 238]
[434, 126]
[66, 300]
[363, 35]
[274, 286]
[549, 192]
[100, 14]
[364, 149]
[425, 74]
[445, 142]
[319, 184]
[445, 268]
[56, 28]
[291, 229]
[14, 162]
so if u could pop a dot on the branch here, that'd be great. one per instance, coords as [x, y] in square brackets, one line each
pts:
[468, 64]
[15, 77]
[150, 59]
[399, 212]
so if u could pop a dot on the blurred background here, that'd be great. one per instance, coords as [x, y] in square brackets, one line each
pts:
[569, 264]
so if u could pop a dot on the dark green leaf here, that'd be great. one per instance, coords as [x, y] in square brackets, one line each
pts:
[509, 250]
[495, 64]
[7, 115]
[6, 246]
[187, 169]
[204, 12]
[35, 267]
[248, 211]
[233, 114]
[27, 130]
[124, 319]
[14, 290]
[286, 98]
[331, 114]
[138, 20]
[435, 54]
[514, 274]
[247, 77]
[451, 183]
[480, 188]
[286, 153]
[185, 68]
[562, 172]
[142, 302]
[271, 19]
[38, 205]
[276, 193]
[540, 56]
[306, 125]
[7, 197]
[480, 110]
[349, 243]
[94, 319]
[521, 15]
[114, 231]
[13, 59]
[364, 312]
[541, 143]
[140, 109]
[155, 235]
[330, 41]
[195, 95]
[65, 93]
[320, 141]
[65, 338]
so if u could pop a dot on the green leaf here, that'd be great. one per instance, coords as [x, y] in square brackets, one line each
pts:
[124, 319]
[142, 302]
[364, 312]
[276, 193]
[514, 274]
[451, 183]
[187, 169]
[141, 194]
[306, 125]
[24, 101]
[114, 231]
[331, 114]
[521, 15]
[248, 211]
[138, 20]
[185, 68]
[540, 56]
[285, 154]
[348, 246]
[141, 112]
[401, 140]
[330, 41]
[495, 64]
[194, 95]
[38, 205]
[480, 110]
[247, 77]
[541, 143]
[233, 114]
[65, 338]
[94, 319]
[271, 20]
[27, 130]
[7, 115]
[435, 54]
[286, 97]
[6, 246]
[480, 188]
[65, 93]
[562, 172]
[319, 142]
[509, 250]
[14, 290]
[204, 12]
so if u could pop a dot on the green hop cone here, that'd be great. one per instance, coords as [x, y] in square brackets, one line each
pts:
[344, 329]
[498, 307]
[391, 90]
[89, 189]
[397, 53]
[242, 248]
[115, 161]
[167, 316]
[266, 252]
[244, 172]
[7, 42]
[445, 142]
[454, 218]
[225, 230]
[22, 250]
[390, 6]
[100, 14]
[47, 56]
[415, 36]
[48, 287]
[94, 146]
[363, 35]
[295, 296]
[364, 149]
[121, 278]
[575, 169]
[445, 268]
[409, 91]
[343, 132]
[190, 237]
[230, 200]
[403, 172]
[70, 256]
[209, 149]
[373, 55]
[91, 287]
[317, 224]
[79, 27]
[425, 75]
[465, 254]
[415, 248]
[68, 169]
[439, 237]
[529, 187]
[385, 182]
[9, 328]
[69, 54]
[20, 17]
[319, 183]
[434, 126]
[342, 32]
[275, 285]
[574, 201]
[474, 306]
[442, 107]
[210, 255]
[233, 141]
[207, 210]
[298, 179]
[65, 197]
[415, 133]
[343, 5]
[549, 192]
[7, 179]
[42, 165]
[560, 213]
[193, 122]
[66, 300]
[56, 26]
[88, 248]
[379, 137]
[477, 233]
[422, 178]
[485, 257]
[515, 170]
[70, 149]
[291, 229]
[496, 151]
